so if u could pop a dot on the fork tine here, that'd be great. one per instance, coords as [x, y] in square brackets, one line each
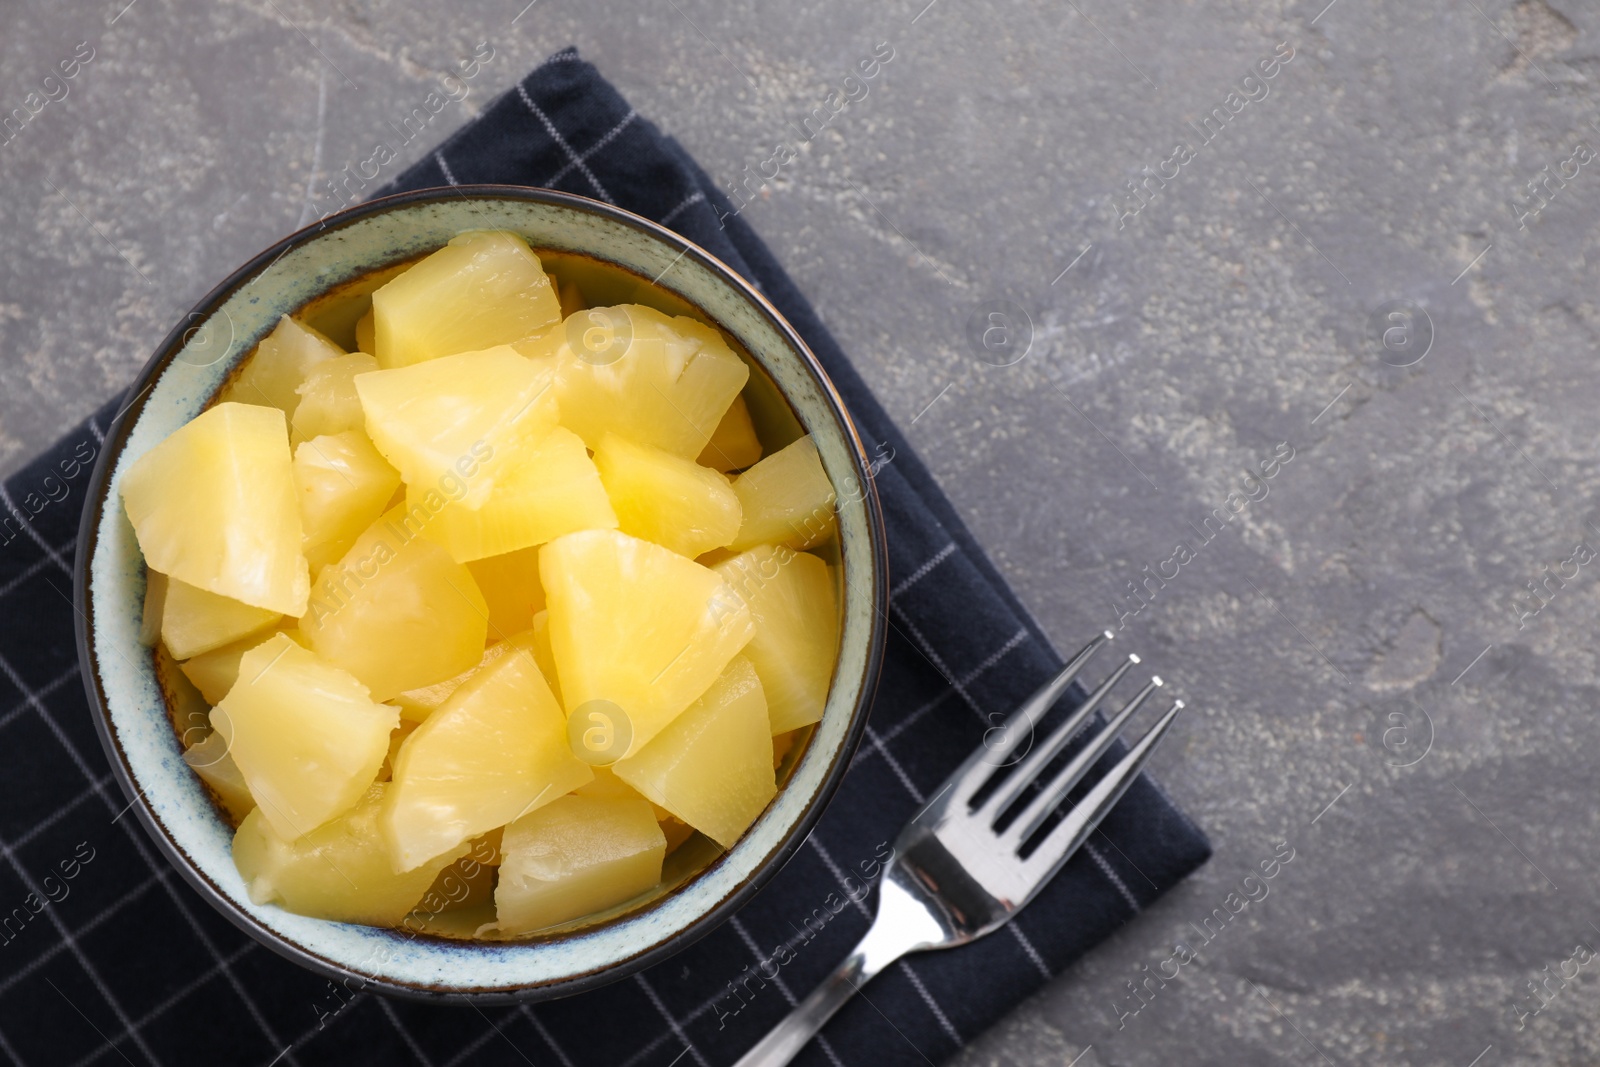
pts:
[1039, 809]
[1029, 769]
[1018, 727]
[1081, 821]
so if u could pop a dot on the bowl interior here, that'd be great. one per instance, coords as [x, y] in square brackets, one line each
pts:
[787, 396]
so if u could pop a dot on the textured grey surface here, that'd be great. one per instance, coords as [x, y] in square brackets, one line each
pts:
[1229, 315]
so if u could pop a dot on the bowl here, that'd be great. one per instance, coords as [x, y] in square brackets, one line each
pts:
[126, 694]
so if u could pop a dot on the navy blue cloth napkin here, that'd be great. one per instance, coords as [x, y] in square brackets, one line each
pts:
[106, 956]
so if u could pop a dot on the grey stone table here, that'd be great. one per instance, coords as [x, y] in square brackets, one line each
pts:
[1211, 281]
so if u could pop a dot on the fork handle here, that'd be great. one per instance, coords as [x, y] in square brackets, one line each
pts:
[785, 1040]
[890, 937]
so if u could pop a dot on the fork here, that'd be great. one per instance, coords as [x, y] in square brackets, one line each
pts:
[967, 862]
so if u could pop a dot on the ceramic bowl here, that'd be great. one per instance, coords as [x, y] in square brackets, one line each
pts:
[188, 369]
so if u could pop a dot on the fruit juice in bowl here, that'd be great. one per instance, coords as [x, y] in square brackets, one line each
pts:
[499, 600]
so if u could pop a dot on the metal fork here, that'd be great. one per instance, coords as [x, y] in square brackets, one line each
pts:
[962, 866]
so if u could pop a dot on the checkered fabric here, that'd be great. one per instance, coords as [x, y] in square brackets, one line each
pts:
[106, 955]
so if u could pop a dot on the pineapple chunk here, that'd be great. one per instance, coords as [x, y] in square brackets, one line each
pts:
[552, 489]
[214, 505]
[417, 704]
[211, 761]
[397, 612]
[606, 784]
[495, 751]
[733, 445]
[637, 625]
[339, 871]
[573, 857]
[543, 655]
[328, 400]
[450, 424]
[712, 765]
[669, 386]
[510, 584]
[483, 289]
[791, 598]
[195, 621]
[306, 735]
[272, 375]
[366, 337]
[667, 499]
[344, 484]
[787, 499]
[214, 672]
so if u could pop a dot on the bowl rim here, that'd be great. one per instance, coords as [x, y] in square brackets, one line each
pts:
[97, 495]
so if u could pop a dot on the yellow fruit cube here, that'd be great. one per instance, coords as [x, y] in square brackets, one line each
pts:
[273, 373]
[215, 505]
[195, 621]
[344, 485]
[339, 871]
[450, 424]
[328, 400]
[606, 784]
[510, 584]
[306, 735]
[712, 765]
[551, 489]
[214, 672]
[574, 857]
[637, 625]
[396, 611]
[210, 760]
[495, 751]
[539, 645]
[796, 643]
[667, 499]
[786, 499]
[417, 704]
[734, 444]
[661, 381]
[484, 288]
[366, 334]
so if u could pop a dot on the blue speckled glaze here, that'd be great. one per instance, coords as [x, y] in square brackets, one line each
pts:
[120, 675]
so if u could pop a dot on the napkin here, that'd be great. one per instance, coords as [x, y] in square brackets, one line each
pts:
[107, 956]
